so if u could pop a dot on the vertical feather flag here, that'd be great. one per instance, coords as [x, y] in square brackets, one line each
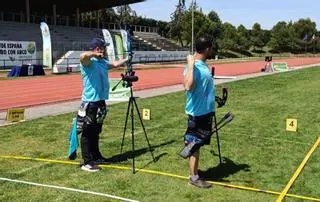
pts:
[110, 49]
[124, 36]
[73, 141]
[46, 39]
[119, 45]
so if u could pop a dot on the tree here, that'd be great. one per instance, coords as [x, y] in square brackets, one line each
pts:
[280, 37]
[108, 15]
[126, 14]
[163, 28]
[243, 41]
[304, 27]
[176, 24]
[202, 25]
[257, 36]
[214, 17]
[229, 37]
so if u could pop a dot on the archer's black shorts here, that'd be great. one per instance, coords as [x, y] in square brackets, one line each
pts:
[200, 127]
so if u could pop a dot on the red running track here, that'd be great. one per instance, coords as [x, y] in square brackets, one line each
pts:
[31, 91]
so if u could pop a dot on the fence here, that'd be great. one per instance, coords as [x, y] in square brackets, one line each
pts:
[138, 57]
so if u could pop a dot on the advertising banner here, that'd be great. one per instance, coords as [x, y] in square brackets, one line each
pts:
[120, 93]
[17, 53]
[280, 66]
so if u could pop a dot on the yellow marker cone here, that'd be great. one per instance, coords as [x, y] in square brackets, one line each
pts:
[292, 125]
[15, 115]
[146, 114]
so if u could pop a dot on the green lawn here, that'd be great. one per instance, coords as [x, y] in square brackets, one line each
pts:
[257, 150]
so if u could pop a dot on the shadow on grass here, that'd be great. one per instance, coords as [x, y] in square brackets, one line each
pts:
[223, 170]
[133, 154]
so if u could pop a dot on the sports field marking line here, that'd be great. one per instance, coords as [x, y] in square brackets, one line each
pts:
[298, 171]
[26, 169]
[68, 189]
[164, 174]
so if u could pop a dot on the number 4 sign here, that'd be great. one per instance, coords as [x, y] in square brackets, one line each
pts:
[292, 125]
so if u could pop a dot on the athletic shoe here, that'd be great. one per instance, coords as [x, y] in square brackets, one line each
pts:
[90, 168]
[102, 161]
[200, 183]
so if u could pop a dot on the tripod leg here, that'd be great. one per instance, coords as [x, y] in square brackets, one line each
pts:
[125, 125]
[218, 141]
[144, 130]
[132, 136]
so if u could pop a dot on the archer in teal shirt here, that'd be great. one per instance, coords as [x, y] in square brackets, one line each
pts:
[200, 99]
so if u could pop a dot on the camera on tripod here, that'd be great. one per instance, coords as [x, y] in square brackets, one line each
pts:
[128, 78]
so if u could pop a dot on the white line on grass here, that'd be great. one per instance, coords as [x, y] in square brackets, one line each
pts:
[69, 189]
[31, 168]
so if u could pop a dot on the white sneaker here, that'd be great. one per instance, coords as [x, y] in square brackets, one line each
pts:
[90, 168]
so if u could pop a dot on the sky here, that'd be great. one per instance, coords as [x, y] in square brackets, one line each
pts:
[246, 12]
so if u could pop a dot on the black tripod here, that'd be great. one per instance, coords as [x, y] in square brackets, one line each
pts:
[130, 110]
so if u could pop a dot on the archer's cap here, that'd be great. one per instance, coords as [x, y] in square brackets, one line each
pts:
[97, 42]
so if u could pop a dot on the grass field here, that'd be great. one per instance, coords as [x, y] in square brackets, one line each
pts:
[258, 152]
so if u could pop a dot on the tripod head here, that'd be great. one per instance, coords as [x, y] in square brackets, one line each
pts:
[129, 78]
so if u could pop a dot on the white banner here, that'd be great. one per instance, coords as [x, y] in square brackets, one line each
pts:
[110, 49]
[17, 53]
[47, 54]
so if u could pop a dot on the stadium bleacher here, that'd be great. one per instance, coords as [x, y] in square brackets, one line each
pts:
[159, 41]
[70, 38]
[63, 38]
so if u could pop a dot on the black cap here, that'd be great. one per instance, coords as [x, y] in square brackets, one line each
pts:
[97, 42]
[203, 42]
